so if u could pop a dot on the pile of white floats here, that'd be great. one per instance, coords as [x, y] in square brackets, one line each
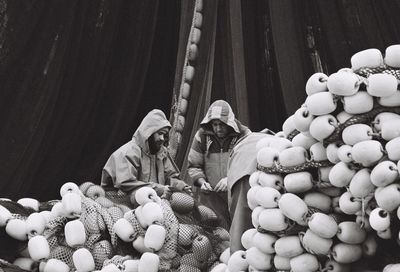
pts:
[328, 185]
[86, 231]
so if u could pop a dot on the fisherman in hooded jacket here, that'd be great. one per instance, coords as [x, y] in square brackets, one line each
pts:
[144, 160]
[208, 157]
[241, 164]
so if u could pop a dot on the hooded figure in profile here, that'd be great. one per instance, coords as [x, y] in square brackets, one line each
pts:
[208, 157]
[144, 160]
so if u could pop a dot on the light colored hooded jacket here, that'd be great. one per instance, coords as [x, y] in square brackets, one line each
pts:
[209, 155]
[129, 167]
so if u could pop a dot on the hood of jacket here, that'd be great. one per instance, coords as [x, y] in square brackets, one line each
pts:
[222, 111]
[151, 123]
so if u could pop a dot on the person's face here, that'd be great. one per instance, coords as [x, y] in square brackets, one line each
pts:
[219, 128]
[158, 138]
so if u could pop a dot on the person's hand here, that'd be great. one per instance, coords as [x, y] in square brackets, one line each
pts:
[222, 185]
[188, 189]
[167, 192]
[206, 186]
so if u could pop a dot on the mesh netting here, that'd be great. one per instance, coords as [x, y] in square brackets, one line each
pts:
[63, 253]
[169, 250]
[199, 239]
[365, 118]
[119, 197]
[118, 260]
[292, 134]
[183, 209]
[366, 71]
[100, 237]
[184, 220]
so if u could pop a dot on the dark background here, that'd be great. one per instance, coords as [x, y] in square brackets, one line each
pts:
[77, 77]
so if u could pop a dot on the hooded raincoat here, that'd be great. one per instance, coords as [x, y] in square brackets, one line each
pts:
[242, 163]
[208, 156]
[133, 166]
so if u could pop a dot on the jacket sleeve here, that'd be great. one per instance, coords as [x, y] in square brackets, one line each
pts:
[171, 170]
[196, 158]
[123, 169]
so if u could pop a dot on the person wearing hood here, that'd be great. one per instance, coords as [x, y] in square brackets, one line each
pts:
[144, 160]
[208, 156]
[242, 163]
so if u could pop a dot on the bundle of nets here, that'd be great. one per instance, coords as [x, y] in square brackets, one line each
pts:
[91, 228]
[326, 193]
[200, 240]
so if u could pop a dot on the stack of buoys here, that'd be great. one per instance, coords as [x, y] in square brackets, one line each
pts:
[188, 74]
[328, 190]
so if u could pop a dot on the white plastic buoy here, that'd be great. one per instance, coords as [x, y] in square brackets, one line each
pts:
[323, 126]
[344, 83]
[29, 203]
[321, 103]
[392, 56]
[72, 205]
[391, 100]
[317, 83]
[38, 248]
[124, 230]
[74, 232]
[361, 102]
[381, 85]
[155, 237]
[83, 260]
[371, 58]
[5, 216]
[302, 119]
[55, 265]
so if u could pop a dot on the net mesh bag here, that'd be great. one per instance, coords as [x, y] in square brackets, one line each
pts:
[169, 250]
[198, 221]
[101, 240]
[118, 260]
[100, 211]
[62, 253]
[118, 197]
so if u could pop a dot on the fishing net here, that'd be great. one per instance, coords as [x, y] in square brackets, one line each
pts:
[190, 228]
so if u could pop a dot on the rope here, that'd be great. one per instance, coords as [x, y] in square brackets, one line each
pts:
[323, 185]
[279, 169]
[293, 228]
[364, 202]
[366, 71]
[292, 134]
[364, 118]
